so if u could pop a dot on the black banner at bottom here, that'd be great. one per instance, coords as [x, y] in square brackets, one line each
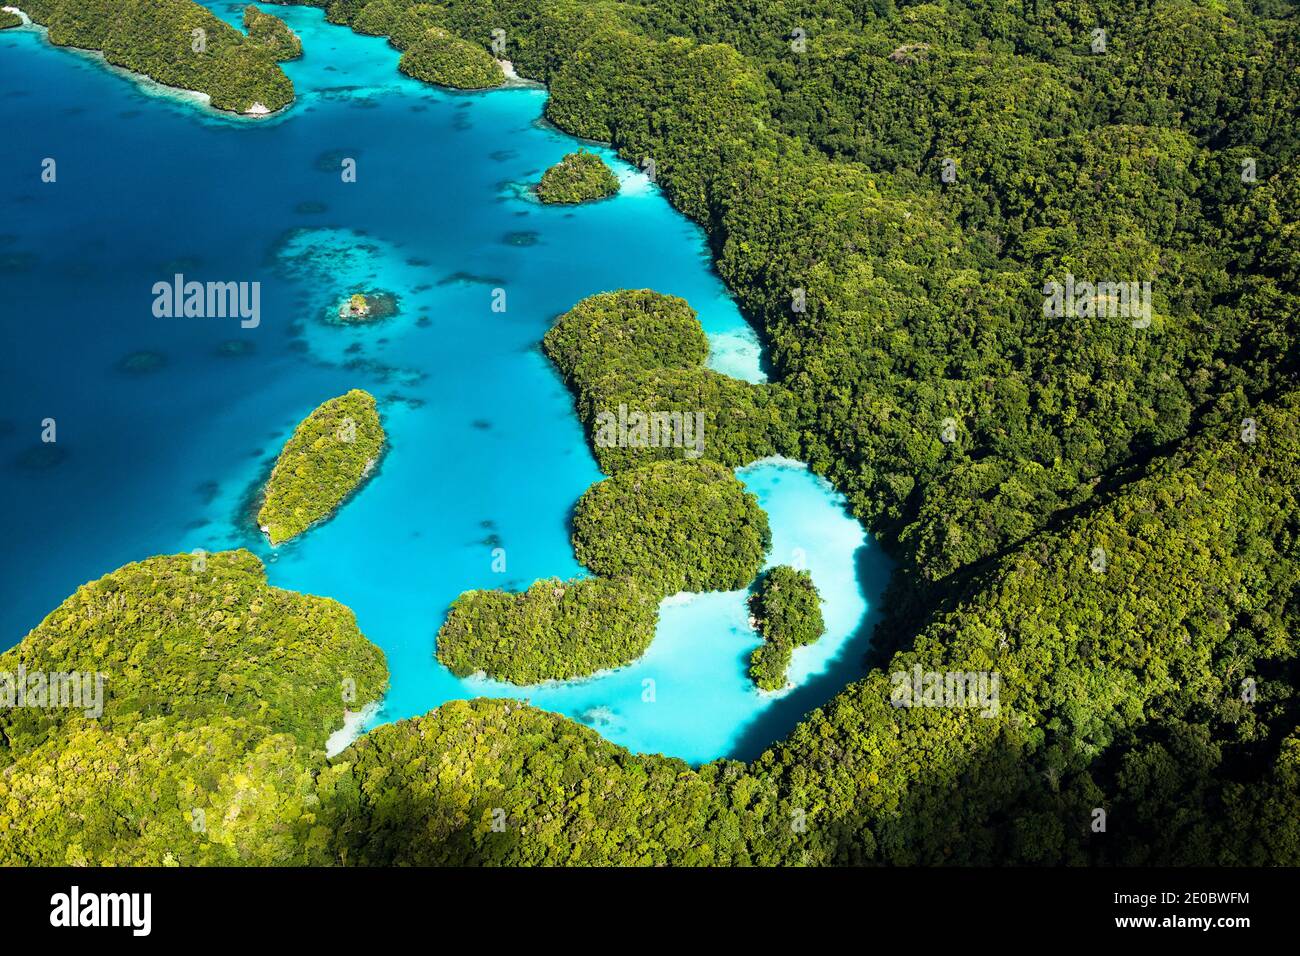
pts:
[345, 905]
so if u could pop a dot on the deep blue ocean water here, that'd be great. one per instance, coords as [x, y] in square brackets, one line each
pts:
[165, 425]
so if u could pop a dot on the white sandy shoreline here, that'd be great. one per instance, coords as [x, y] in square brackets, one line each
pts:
[354, 726]
[512, 75]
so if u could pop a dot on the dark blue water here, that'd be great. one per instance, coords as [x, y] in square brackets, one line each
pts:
[166, 425]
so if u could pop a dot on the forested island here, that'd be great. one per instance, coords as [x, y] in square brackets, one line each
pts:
[328, 456]
[363, 308]
[1100, 510]
[553, 631]
[629, 529]
[646, 533]
[786, 610]
[9, 19]
[175, 42]
[578, 177]
[635, 524]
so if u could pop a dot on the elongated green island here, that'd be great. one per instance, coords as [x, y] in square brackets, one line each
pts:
[271, 34]
[9, 19]
[553, 631]
[787, 611]
[578, 177]
[328, 456]
[443, 59]
[648, 533]
[175, 42]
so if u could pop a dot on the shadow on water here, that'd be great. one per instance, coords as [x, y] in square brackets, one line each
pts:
[871, 566]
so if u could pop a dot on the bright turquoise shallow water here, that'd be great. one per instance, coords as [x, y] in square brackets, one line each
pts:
[485, 448]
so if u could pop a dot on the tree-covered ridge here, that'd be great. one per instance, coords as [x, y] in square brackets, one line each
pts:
[271, 34]
[787, 611]
[193, 634]
[217, 791]
[640, 353]
[676, 526]
[555, 630]
[463, 786]
[718, 418]
[1146, 652]
[403, 23]
[176, 42]
[8, 19]
[447, 60]
[218, 695]
[331, 452]
[579, 177]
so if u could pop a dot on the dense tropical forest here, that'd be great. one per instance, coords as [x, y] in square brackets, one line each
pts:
[220, 694]
[1099, 505]
[677, 526]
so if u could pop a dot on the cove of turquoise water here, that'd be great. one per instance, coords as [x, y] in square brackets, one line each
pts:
[165, 425]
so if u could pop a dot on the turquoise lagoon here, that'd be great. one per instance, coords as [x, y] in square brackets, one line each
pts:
[165, 426]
